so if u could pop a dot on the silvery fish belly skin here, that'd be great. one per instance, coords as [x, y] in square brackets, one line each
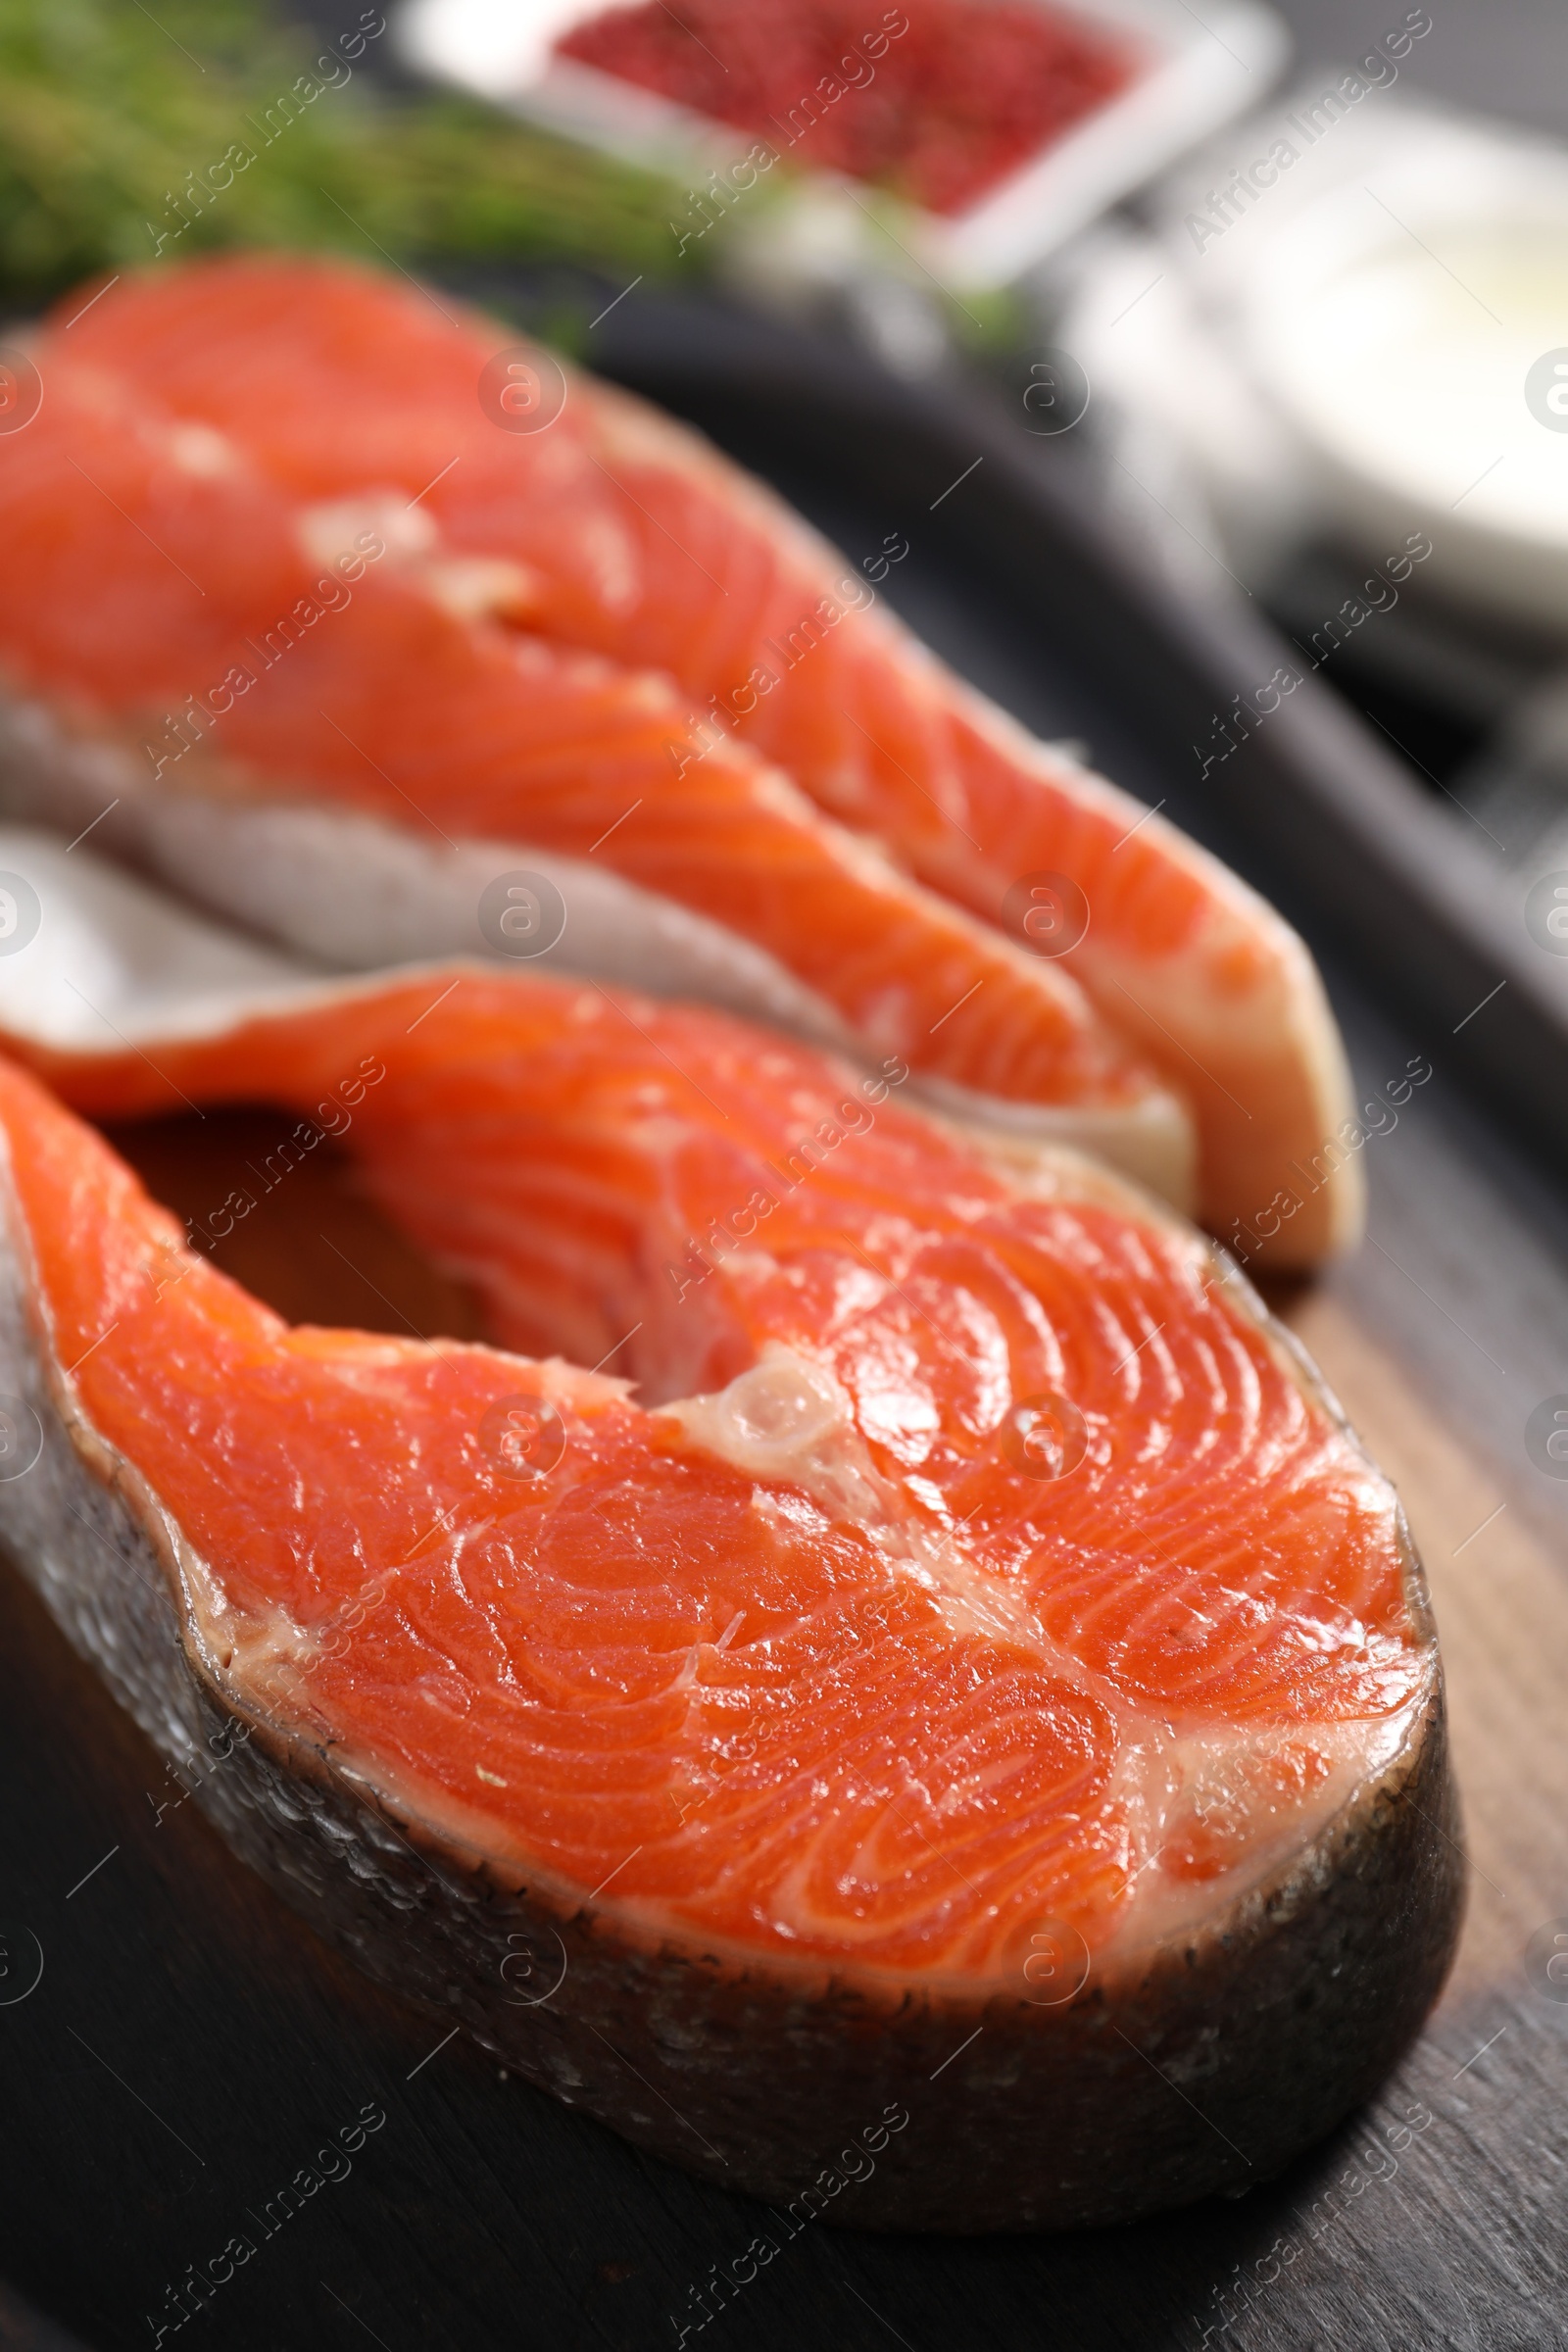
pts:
[358, 892]
[1021, 2110]
[267, 532]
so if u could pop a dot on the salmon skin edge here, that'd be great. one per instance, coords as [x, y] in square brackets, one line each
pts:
[359, 893]
[1019, 2115]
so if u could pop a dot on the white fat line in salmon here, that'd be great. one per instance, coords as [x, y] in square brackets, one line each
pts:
[347, 1618]
[198, 194]
[1377, 70]
[1243, 2290]
[801, 1161]
[333, 1117]
[1246, 714]
[738, 1746]
[189, 2296]
[727, 708]
[330, 1637]
[330, 593]
[1348, 1137]
[829, 2184]
[855, 72]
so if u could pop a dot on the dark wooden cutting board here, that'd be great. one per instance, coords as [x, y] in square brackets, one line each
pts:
[189, 2046]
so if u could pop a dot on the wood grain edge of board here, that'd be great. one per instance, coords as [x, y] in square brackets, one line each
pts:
[1502, 1607]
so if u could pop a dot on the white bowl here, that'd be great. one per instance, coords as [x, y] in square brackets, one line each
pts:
[1196, 75]
[1412, 327]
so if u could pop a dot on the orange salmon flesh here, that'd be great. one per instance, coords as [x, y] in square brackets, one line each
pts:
[939, 1552]
[272, 530]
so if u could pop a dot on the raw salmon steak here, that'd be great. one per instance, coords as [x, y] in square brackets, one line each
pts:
[598, 651]
[948, 1657]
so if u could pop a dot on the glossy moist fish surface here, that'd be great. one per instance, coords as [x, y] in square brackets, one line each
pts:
[978, 1670]
[288, 688]
[731, 645]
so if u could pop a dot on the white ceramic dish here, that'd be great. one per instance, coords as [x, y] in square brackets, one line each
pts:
[1373, 351]
[1197, 72]
[1414, 330]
